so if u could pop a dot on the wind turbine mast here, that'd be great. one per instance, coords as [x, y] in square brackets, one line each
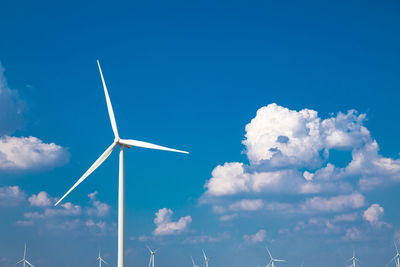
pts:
[152, 256]
[121, 181]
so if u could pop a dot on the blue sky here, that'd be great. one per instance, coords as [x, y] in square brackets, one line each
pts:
[310, 177]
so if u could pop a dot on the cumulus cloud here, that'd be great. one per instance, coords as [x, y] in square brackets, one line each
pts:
[11, 195]
[165, 225]
[291, 153]
[255, 238]
[374, 214]
[30, 153]
[22, 153]
[100, 209]
[42, 199]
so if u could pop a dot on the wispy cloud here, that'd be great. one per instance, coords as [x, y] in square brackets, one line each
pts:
[255, 238]
[11, 196]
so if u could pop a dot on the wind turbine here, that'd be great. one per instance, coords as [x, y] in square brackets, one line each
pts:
[396, 258]
[100, 259]
[206, 260]
[353, 259]
[24, 261]
[152, 254]
[121, 182]
[194, 265]
[272, 261]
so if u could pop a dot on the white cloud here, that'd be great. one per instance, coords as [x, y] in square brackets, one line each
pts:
[347, 217]
[41, 200]
[333, 204]
[22, 153]
[317, 226]
[100, 209]
[11, 195]
[30, 153]
[353, 234]
[165, 225]
[374, 214]
[228, 217]
[291, 153]
[247, 204]
[207, 238]
[256, 238]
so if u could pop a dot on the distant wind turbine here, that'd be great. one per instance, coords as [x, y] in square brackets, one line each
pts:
[194, 265]
[152, 255]
[24, 261]
[100, 259]
[353, 259]
[396, 258]
[206, 260]
[272, 261]
[121, 183]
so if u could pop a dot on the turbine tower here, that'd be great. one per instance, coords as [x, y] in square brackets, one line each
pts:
[122, 143]
[272, 261]
[100, 259]
[396, 258]
[353, 259]
[24, 261]
[152, 255]
[206, 260]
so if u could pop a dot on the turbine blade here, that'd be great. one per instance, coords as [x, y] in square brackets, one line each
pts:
[109, 106]
[279, 260]
[149, 249]
[204, 254]
[148, 145]
[269, 254]
[96, 164]
[19, 262]
[29, 263]
[151, 258]
[194, 265]
[104, 261]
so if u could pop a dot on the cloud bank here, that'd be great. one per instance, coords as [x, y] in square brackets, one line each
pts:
[324, 166]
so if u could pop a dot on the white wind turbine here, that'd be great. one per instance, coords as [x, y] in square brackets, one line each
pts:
[272, 261]
[121, 183]
[194, 264]
[353, 259]
[24, 261]
[152, 255]
[206, 260]
[396, 258]
[101, 260]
